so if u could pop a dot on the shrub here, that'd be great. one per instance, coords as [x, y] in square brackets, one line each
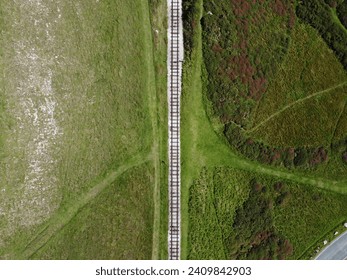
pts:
[341, 11]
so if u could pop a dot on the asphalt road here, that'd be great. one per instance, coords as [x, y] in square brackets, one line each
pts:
[336, 250]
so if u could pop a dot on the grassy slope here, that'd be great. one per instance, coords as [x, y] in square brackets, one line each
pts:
[214, 198]
[158, 23]
[309, 67]
[113, 225]
[220, 192]
[112, 119]
[65, 214]
[310, 79]
[341, 126]
[310, 122]
[202, 147]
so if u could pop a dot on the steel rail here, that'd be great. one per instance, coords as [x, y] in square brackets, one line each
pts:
[174, 62]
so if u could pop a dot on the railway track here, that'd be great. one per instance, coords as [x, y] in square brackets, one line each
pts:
[174, 62]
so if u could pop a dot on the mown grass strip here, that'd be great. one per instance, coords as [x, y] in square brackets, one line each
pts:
[158, 11]
[153, 110]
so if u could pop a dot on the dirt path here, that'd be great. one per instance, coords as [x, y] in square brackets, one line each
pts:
[295, 103]
[64, 216]
[152, 101]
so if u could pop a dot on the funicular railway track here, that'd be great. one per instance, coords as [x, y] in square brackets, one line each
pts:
[175, 59]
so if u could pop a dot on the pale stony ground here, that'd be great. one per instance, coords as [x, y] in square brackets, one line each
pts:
[29, 197]
[75, 105]
[30, 189]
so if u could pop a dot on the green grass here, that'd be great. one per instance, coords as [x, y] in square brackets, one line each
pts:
[205, 240]
[335, 16]
[240, 63]
[117, 224]
[159, 32]
[266, 76]
[308, 215]
[230, 209]
[311, 121]
[95, 70]
[341, 127]
[309, 67]
[205, 149]
[311, 112]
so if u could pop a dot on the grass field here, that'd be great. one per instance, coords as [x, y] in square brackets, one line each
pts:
[159, 30]
[217, 181]
[306, 122]
[78, 109]
[276, 84]
[83, 130]
[237, 214]
[312, 84]
[114, 225]
[309, 67]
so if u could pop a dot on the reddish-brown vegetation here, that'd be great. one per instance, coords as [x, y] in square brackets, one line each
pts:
[257, 187]
[274, 154]
[344, 157]
[252, 13]
[320, 155]
[240, 66]
[284, 250]
[261, 237]
[279, 7]
[291, 153]
[217, 48]
[278, 187]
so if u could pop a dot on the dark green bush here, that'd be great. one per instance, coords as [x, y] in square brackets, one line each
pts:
[318, 14]
[190, 21]
[341, 11]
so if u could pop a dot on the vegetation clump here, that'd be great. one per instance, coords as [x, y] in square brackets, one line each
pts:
[318, 14]
[236, 214]
[341, 10]
[254, 235]
[274, 84]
